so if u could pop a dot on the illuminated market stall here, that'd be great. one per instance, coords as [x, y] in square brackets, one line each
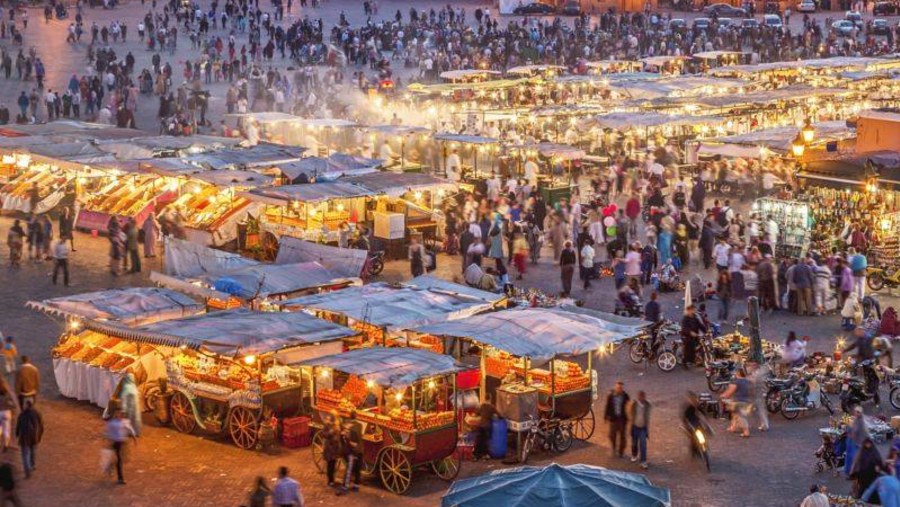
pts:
[402, 398]
[88, 364]
[382, 312]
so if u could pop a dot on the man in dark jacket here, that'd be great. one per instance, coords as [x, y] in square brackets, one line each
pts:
[692, 328]
[29, 431]
[803, 279]
[616, 414]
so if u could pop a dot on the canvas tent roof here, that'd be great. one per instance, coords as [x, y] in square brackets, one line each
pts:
[312, 192]
[395, 307]
[780, 138]
[556, 486]
[536, 333]
[330, 168]
[233, 332]
[344, 262]
[389, 367]
[397, 184]
[261, 155]
[464, 138]
[130, 305]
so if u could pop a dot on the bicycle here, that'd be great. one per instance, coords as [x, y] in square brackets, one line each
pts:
[549, 435]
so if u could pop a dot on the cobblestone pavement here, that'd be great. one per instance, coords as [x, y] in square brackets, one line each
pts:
[168, 468]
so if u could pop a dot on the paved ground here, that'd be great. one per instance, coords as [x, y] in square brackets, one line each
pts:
[168, 468]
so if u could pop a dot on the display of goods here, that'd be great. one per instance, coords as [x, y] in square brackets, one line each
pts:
[110, 360]
[372, 334]
[109, 342]
[434, 420]
[236, 205]
[432, 343]
[124, 362]
[355, 390]
[187, 362]
[68, 349]
[270, 385]
[126, 348]
[219, 304]
[91, 354]
[566, 384]
[845, 501]
[496, 367]
[329, 398]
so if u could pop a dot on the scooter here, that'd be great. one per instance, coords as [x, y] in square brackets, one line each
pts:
[878, 278]
[855, 390]
[699, 441]
[805, 395]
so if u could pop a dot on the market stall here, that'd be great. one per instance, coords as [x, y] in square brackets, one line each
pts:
[404, 204]
[251, 284]
[129, 196]
[480, 150]
[403, 401]
[399, 147]
[319, 169]
[382, 312]
[228, 372]
[793, 219]
[87, 364]
[311, 211]
[536, 361]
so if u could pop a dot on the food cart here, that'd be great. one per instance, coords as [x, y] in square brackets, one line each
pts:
[399, 147]
[405, 204]
[228, 372]
[537, 361]
[478, 149]
[555, 157]
[129, 196]
[309, 211]
[381, 312]
[88, 364]
[403, 401]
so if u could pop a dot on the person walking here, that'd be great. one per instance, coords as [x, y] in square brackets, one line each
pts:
[738, 394]
[8, 405]
[10, 356]
[887, 488]
[131, 246]
[67, 226]
[858, 264]
[567, 261]
[8, 484]
[28, 382]
[416, 257]
[286, 492]
[867, 465]
[639, 414]
[331, 449]
[29, 432]
[758, 375]
[587, 262]
[351, 435]
[803, 280]
[118, 431]
[617, 417]
[61, 261]
[15, 240]
[260, 493]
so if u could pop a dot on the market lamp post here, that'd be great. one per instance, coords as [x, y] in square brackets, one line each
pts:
[798, 147]
[808, 132]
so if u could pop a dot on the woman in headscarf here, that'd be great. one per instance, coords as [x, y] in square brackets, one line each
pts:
[681, 245]
[867, 465]
[130, 402]
[664, 244]
[857, 433]
[151, 235]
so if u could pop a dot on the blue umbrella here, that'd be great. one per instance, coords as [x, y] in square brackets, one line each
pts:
[556, 486]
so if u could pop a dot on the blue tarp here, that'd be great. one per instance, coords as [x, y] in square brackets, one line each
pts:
[389, 367]
[556, 486]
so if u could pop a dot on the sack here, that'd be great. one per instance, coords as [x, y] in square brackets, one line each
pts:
[107, 458]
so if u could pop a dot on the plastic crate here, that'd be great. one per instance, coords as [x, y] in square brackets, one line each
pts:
[295, 426]
[464, 451]
[296, 441]
[468, 379]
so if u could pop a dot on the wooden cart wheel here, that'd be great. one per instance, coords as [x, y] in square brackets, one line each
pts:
[447, 468]
[318, 450]
[583, 429]
[395, 470]
[182, 413]
[243, 426]
[269, 246]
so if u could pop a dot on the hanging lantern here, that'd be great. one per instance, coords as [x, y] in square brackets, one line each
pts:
[798, 147]
[808, 132]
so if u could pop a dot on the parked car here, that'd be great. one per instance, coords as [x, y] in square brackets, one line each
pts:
[880, 26]
[854, 17]
[773, 21]
[884, 9]
[572, 8]
[724, 10]
[535, 8]
[749, 24]
[701, 24]
[806, 6]
[843, 27]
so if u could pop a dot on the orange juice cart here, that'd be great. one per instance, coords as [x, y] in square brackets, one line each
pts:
[402, 400]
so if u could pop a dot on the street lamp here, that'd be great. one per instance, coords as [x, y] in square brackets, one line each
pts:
[808, 132]
[798, 147]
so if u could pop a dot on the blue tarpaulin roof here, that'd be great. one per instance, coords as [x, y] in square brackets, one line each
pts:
[537, 333]
[556, 486]
[130, 305]
[389, 367]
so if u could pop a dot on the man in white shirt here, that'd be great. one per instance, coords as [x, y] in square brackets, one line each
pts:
[286, 492]
[722, 253]
[587, 263]
[737, 259]
[61, 261]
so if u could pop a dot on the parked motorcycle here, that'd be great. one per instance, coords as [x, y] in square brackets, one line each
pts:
[806, 394]
[652, 347]
[547, 435]
[879, 278]
[375, 262]
[857, 390]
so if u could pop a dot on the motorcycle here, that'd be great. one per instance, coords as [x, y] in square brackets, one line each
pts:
[878, 278]
[375, 262]
[803, 396]
[631, 308]
[652, 347]
[700, 442]
[895, 393]
[856, 390]
[776, 387]
[548, 435]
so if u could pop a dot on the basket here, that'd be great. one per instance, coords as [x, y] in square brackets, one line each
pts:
[296, 441]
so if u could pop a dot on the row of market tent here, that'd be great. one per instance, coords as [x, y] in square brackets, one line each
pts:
[407, 359]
